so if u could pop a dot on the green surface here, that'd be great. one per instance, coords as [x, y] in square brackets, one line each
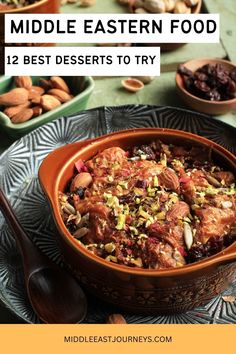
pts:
[161, 91]
[227, 11]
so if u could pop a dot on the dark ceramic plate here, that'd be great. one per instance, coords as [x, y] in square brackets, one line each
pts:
[18, 178]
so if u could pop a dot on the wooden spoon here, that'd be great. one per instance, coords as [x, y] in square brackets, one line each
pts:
[54, 294]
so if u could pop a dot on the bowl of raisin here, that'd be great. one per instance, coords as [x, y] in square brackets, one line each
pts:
[207, 85]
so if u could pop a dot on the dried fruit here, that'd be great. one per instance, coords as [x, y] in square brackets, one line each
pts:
[169, 179]
[23, 81]
[62, 96]
[49, 102]
[181, 8]
[11, 111]
[14, 97]
[81, 232]
[178, 211]
[229, 298]
[212, 180]
[87, 3]
[140, 10]
[138, 4]
[226, 204]
[191, 3]
[36, 100]
[35, 91]
[169, 5]
[24, 115]
[212, 82]
[83, 179]
[116, 319]
[45, 84]
[59, 83]
[37, 111]
[132, 85]
[12, 4]
[155, 6]
[188, 235]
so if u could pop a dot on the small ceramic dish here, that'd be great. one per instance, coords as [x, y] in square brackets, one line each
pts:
[80, 90]
[197, 103]
[135, 289]
[168, 47]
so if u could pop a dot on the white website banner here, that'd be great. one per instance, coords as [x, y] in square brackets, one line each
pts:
[82, 61]
[112, 28]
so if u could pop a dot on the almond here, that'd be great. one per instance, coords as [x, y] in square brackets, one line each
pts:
[23, 81]
[36, 100]
[37, 111]
[83, 179]
[14, 97]
[116, 319]
[49, 102]
[35, 91]
[59, 83]
[24, 115]
[62, 96]
[169, 179]
[179, 210]
[11, 111]
[45, 84]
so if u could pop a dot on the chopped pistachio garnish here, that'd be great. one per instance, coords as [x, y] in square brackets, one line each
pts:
[155, 181]
[120, 222]
[110, 247]
[110, 178]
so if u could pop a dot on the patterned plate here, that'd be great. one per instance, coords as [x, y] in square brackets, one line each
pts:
[18, 178]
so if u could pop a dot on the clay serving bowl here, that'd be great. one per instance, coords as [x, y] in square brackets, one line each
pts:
[197, 103]
[168, 47]
[134, 289]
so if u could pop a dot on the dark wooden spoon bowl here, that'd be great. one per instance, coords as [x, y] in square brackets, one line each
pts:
[55, 295]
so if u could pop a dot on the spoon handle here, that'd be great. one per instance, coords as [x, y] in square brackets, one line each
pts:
[28, 249]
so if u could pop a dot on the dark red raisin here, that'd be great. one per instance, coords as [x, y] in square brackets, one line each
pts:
[184, 71]
[141, 184]
[71, 226]
[201, 86]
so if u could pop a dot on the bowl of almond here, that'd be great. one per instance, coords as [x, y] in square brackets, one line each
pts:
[29, 102]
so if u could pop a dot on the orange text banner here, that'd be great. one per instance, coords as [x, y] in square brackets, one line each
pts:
[112, 339]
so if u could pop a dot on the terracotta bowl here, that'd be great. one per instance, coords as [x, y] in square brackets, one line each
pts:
[137, 290]
[197, 103]
[168, 47]
[43, 7]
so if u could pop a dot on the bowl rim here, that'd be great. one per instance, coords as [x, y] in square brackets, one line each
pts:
[219, 258]
[25, 8]
[180, 85]
[5, 121]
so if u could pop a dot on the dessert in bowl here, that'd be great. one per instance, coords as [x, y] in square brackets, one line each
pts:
[147, 265]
